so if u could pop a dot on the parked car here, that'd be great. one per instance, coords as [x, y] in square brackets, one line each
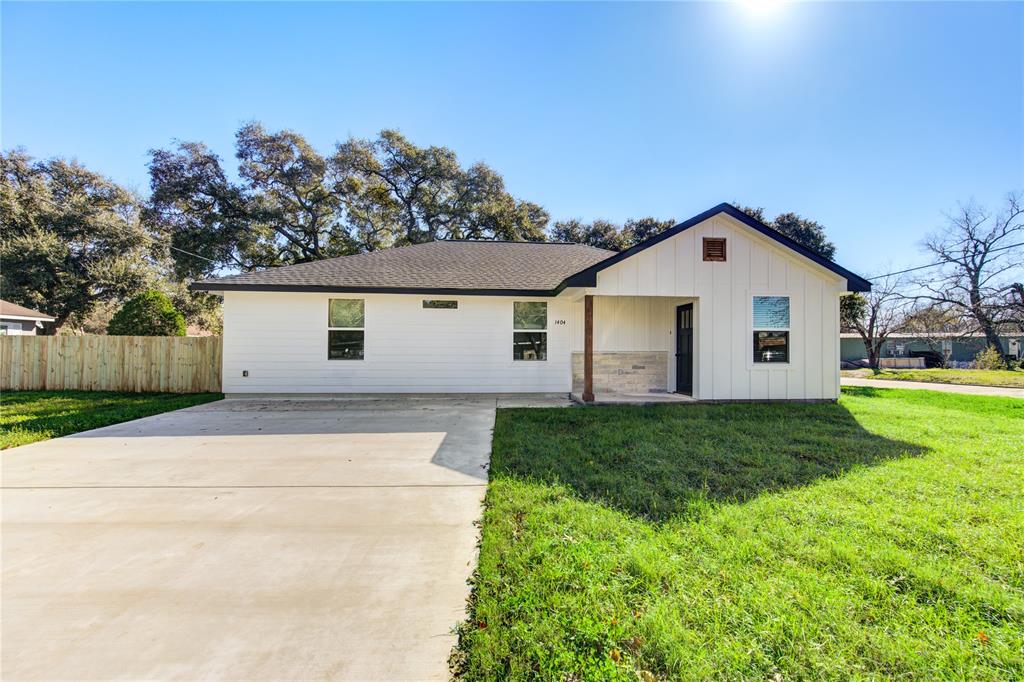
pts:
[931, 358]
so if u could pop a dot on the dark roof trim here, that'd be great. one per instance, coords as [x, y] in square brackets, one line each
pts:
[583, 278]
[588, 277]
[214, 286]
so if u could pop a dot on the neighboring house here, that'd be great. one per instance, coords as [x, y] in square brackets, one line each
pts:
[952, 346]
[17, 320]
[720, 307]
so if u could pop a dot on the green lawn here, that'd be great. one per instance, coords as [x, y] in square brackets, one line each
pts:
[28, 416]
[880, 537]
[1009, 378]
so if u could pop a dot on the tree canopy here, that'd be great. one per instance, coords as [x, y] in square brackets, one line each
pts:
[71, 238]
[151, 313]
[801, 230]
[293, 205]
[397, 193]
[605, 234]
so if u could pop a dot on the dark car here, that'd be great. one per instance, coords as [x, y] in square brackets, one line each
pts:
[931, 358]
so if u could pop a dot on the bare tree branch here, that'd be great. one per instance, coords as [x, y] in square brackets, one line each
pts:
[978, 269]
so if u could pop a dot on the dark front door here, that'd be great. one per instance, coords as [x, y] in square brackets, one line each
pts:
[684, 349]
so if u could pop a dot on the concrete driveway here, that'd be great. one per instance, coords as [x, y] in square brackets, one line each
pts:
[245, 540]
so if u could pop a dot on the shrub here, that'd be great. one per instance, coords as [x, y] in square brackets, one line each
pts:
[990, 358]
[148, 314]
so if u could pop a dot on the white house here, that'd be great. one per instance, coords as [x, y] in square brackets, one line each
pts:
[720, 307]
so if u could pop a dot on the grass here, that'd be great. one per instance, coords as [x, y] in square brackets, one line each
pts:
[30, 416]
[879, 537]
[1007, 378]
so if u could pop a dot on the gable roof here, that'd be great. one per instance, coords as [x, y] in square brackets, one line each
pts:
[482, 267]
[588, 277]
[443, 267]
[13, 311]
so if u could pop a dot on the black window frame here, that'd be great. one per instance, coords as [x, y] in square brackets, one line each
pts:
[760, 358]
[524, 337]
[334, 332]
[764, 332]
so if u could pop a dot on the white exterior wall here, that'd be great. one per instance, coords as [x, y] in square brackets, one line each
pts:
[631, 324]
[628, 323]
[281, 339]
[755, 265]
[17, 327]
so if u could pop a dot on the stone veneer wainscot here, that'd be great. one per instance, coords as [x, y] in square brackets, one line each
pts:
[624, 372]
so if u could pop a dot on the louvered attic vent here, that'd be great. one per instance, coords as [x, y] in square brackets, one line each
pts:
[714, 249]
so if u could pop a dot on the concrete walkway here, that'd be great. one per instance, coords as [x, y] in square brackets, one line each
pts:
[945, 388]
[247, 540]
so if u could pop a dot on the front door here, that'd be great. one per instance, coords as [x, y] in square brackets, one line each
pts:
[684, 349]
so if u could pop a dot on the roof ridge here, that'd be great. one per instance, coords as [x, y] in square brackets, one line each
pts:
[588, 276]
[490, 265]
[512, 241]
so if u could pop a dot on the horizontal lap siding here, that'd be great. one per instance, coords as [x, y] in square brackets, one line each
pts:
[723, 337]
[281, 340]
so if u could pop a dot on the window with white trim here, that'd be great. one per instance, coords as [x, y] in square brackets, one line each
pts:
[771, 329]
[529, 330]
[345, 328]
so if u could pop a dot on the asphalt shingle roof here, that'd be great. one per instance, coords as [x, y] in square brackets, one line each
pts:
[471, 265]
[8, 308]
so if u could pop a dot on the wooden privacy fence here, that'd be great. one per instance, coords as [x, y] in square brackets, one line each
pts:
[172, 364]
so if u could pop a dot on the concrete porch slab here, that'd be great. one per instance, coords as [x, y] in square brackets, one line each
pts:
[636, 398]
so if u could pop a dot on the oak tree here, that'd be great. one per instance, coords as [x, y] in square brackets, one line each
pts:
[71, 238]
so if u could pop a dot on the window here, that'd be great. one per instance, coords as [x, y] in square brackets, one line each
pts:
[771, 328]
[529, 330]
[440, 305]
[345, 320]
[714, 249]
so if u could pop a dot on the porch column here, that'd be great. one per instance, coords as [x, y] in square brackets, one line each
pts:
[588, 348]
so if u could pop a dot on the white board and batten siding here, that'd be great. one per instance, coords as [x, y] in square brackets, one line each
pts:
[280, 339]
[724, 291]
[628, 323]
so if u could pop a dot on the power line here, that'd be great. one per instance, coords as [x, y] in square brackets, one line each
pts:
[195, 255]
[149, 237]
[932, 265]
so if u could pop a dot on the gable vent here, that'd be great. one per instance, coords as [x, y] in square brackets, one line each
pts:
[714, 249]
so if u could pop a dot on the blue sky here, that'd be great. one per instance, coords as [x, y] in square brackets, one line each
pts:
[872, 118]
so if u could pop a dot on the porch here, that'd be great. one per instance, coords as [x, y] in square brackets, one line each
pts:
[634, 349]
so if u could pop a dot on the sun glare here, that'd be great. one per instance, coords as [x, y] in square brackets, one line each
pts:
[761, 7]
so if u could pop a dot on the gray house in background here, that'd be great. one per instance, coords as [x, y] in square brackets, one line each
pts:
[17, 320]
[953, 347]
